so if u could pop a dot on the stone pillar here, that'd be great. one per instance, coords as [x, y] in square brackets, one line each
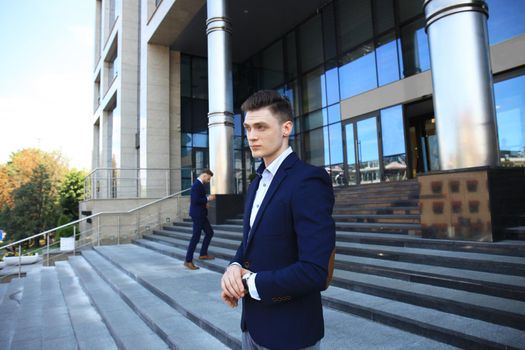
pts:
[462, 82]
[220, 94]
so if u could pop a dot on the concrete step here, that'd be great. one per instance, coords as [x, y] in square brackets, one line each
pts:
[378, 227]
[125, 326]
[340, 326]
[192, 293]
[28, 329]
[453, 329]
[500, 285]
[9, 309]
[509, 265]
[177, 331]
[89, 328]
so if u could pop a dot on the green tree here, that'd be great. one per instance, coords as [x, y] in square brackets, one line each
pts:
[71, 192]
[35, 206]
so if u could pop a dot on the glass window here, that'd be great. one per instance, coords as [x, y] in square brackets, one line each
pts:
[387, 63]
[510, 111]
[199, 115]
[506, 19]
[291, 56]
[415, 48]
[314, 120]
[332, 86]
[329, 37]
[358, 72]
[383, 15]
[316, 147]
[200, 140]
[186, 140]
[313, 90]
[336, 144]
[311, 44]
[354, 23]
[185, 156]
[185, 76]
[199, 78]
[272, 66]
[237, 125]
[334, 114]
[393, 137]
[292, 92]
[409, 9]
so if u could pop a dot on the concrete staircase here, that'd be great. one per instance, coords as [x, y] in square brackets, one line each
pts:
[466, 294]
[388, 207]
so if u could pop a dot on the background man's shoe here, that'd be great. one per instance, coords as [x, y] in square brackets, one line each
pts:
[206, 257]
[190, 265]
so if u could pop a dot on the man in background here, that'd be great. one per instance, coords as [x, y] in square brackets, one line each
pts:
[199, 216]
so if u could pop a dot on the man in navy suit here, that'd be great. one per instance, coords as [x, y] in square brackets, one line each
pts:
[284, 260]
[199, 216]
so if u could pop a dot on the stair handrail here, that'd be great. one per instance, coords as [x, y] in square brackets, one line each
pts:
[93, 216]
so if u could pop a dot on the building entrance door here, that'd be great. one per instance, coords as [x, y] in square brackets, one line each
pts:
[422, 137]
[362, 151]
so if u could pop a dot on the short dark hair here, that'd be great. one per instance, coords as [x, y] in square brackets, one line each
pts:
[207, 171]
[279, 105]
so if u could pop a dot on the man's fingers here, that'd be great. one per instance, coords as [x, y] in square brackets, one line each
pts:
[232, 302]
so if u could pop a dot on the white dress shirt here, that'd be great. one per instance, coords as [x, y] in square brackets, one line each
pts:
[264, 184]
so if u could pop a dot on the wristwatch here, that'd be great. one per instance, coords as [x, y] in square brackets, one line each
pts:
[245, 282]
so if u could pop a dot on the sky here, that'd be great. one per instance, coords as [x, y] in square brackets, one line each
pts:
[46, 74]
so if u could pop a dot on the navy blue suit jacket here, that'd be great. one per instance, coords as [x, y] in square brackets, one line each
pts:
[289, 247]
[198, 200]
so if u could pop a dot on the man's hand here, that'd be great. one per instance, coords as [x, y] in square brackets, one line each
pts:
[231, 302]
[231, 284]
[211, 197]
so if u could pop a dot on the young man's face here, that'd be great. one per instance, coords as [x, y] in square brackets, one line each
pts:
[205, 178]
[266, 134]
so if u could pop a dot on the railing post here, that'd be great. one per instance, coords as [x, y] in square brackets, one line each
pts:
[98, 230]
[74, 239]
[109, 185]
[118, 229]
[47, 249]
[167, 182]
[19, 260]
[138, 224]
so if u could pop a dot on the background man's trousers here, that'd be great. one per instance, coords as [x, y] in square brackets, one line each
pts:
[199, 224]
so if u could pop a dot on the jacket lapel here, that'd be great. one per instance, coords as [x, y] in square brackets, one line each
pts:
[252, 190]
[276, 182]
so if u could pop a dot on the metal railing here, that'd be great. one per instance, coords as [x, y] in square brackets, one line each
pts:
[107, 227]
[126, 183]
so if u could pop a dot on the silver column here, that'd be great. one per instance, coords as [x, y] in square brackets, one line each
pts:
[462, 82]
[220, 94]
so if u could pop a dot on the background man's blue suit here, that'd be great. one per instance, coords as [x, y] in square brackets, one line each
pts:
[199, 216]
[289, 247]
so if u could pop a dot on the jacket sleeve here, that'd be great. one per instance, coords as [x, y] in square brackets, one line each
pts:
[312, 205]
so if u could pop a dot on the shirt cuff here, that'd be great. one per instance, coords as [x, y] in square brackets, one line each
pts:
[235, 263]
[252, 288]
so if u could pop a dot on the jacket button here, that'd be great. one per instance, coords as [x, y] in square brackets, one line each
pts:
[246, 264]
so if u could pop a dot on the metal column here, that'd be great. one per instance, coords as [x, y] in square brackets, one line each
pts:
[462, 82]
[220, 95]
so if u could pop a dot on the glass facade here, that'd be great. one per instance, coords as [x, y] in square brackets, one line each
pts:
[345, 49]
[510, 112]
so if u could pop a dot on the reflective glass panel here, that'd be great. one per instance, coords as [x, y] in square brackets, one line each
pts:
[311, 44]
[199, 78]
[506, 19]
[414, 44]
[350, 155]
[336, 144]
[383, 15]
[315, 120]
[313, 90]
[200, 140]
[510, 111]
[368, 151]
[316, 147]
[334, 114]
[357, 72]
[332, 86]
[272, 67]
[387, 63]
[354, 23]
[409, 9]
[291, 56]
[394, 155]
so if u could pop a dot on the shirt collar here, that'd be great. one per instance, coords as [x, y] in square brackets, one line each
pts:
[274, 166]
[200, 180]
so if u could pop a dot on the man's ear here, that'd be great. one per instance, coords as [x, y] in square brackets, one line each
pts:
[287, 128]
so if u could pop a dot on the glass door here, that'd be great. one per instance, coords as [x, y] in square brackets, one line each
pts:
[362, 151]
